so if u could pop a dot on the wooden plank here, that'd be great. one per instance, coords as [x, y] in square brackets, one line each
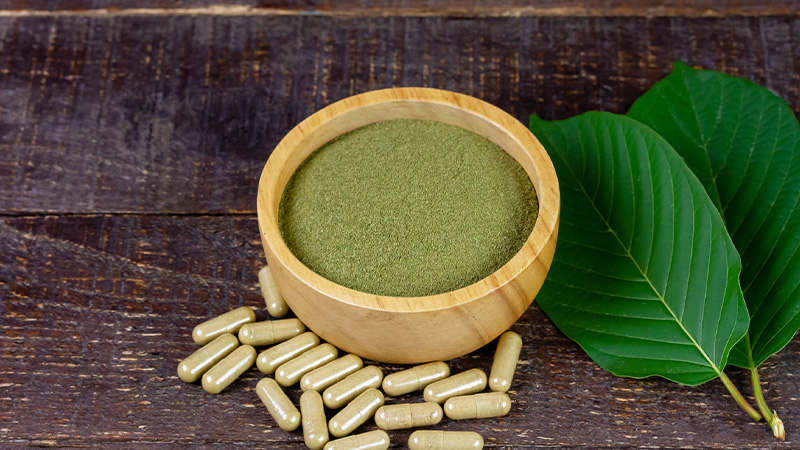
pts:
[464, 8]
[97, 311]
[178, 114]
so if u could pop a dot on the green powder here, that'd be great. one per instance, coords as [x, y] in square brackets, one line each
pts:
[407, 208]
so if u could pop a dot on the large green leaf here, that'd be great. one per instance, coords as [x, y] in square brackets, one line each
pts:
[743, 143]
[645, 277]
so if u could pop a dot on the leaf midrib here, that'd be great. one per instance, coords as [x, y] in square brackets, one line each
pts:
[723, 210]
[638, 267]
[704, 140]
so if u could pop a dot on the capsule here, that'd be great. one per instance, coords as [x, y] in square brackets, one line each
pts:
[327, 375]
[505, 361]
[230, 322]
[415, 378]
[196, 364]
[315, 425]
[371, 440]
[276, 305]
[269, 360]
[290, 372]
[478, 406]
[467, 382]
[445, 440]
[278, 404]
[346, 390]
[360, 410]
[229, 369]
[408, 415]
[270, 332]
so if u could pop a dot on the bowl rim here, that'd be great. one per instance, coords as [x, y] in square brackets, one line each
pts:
[545, 227]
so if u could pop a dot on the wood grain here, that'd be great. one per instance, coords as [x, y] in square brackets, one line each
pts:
[98, 310]
[165, 121]
[464, 8]
[178, 114]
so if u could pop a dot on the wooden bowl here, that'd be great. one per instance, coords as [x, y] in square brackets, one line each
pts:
[411, 329]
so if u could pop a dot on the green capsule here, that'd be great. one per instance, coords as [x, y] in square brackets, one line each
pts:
[230, 322]
[505, 361]
[315, 426]
[467, 382]
[276, 305]
[278, 404]
[269, 360]
[478, 406]
[290, 372]
[415, 378]
[346, 390]
[196, 364]
[371, 440]
[229, 369]
[445, 440]
[360, 410]
[327, 375]
[270, 332]
[408, 415]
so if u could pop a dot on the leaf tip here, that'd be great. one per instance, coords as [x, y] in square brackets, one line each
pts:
[679, 66]
[535, 121]
[532, 120]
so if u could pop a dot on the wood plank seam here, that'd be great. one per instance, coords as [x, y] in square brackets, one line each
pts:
[453, 11]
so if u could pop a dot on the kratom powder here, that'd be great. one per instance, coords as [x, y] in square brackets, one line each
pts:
[407, 208]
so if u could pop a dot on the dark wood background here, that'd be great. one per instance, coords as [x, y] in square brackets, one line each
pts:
[132, 135]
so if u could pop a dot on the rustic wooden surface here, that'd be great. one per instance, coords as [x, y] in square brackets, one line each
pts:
[130, 149]
[475, 8]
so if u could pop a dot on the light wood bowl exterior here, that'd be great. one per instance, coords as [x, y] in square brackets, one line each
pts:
[411, 329]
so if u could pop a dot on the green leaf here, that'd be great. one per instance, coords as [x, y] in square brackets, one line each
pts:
[645, 277]
[743, 143]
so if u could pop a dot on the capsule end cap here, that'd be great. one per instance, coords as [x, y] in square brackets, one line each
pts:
[199, 337]
[498, 384]
[292, 423]
[210, 385]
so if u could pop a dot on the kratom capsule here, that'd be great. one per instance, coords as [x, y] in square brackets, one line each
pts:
[371, 440]
[325, 376]
[408, 415]
[360, 410]
[228, 370]
[315, 426]
[270, 332]
[196, 364]
[278, 404]
[467, 382]
[230, 322]
[415, 378]
[276, 305]
[505, 361]
[445, 440]
[290, 372]
[346, 390]
[269, 360]
[478, 406]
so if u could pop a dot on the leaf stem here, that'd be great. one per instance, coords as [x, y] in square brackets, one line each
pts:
[738, 397]
[770, 416]
[762, 404]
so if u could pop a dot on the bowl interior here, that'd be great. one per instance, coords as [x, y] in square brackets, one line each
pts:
[407, 103]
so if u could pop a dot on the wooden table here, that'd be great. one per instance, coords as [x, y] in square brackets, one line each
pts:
[131, 142]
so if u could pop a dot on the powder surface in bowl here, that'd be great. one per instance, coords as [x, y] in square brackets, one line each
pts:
[407, 208]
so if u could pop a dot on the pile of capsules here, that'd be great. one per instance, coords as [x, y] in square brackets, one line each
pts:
[344, 384]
